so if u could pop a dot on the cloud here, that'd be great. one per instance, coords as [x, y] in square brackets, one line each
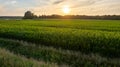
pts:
[10, 2]
[55, 6]
[58, 1]
[13, 2]
[52, 1]
[84, 3]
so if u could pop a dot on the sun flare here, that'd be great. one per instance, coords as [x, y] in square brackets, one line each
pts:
[66, 9]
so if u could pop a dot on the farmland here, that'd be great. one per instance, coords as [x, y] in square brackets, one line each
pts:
[74, 43]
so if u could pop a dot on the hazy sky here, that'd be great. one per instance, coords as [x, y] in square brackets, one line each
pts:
[81, 7]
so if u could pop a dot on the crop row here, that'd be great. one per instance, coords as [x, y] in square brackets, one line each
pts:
[104, 25]
[8, 59]
[57, 56]
[87, 41]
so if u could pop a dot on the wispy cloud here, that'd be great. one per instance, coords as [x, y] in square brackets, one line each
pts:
[18, 7]
[84, 3]
[13, 2]
[58, 1]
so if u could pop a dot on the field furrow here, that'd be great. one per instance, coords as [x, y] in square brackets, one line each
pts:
[53, 55]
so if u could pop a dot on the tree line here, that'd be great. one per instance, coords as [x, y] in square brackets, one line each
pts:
[30, 15]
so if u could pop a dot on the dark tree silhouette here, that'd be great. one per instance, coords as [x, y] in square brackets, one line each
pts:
[28, 15]
[103, 17]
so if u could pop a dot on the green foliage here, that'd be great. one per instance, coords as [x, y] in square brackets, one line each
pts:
[8, 59]
[87, 36]
[103, 38]
[74, 59]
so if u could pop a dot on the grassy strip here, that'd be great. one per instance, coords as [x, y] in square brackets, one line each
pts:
[104, 25]
[58, 56]
[8, 59]
[87, 41]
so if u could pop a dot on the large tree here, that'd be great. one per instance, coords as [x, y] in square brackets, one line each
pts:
[28, 15]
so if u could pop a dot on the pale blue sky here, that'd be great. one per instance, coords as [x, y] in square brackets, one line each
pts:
[39, 7]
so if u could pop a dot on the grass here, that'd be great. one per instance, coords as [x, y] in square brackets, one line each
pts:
[8, 59]
[97, 37]
[61, 57]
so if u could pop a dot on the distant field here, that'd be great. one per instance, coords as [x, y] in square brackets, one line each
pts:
[74, 43]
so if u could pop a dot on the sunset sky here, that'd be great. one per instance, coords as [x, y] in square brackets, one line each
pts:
[39, 7]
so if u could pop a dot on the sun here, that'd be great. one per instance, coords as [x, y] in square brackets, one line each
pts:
[66, 9]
